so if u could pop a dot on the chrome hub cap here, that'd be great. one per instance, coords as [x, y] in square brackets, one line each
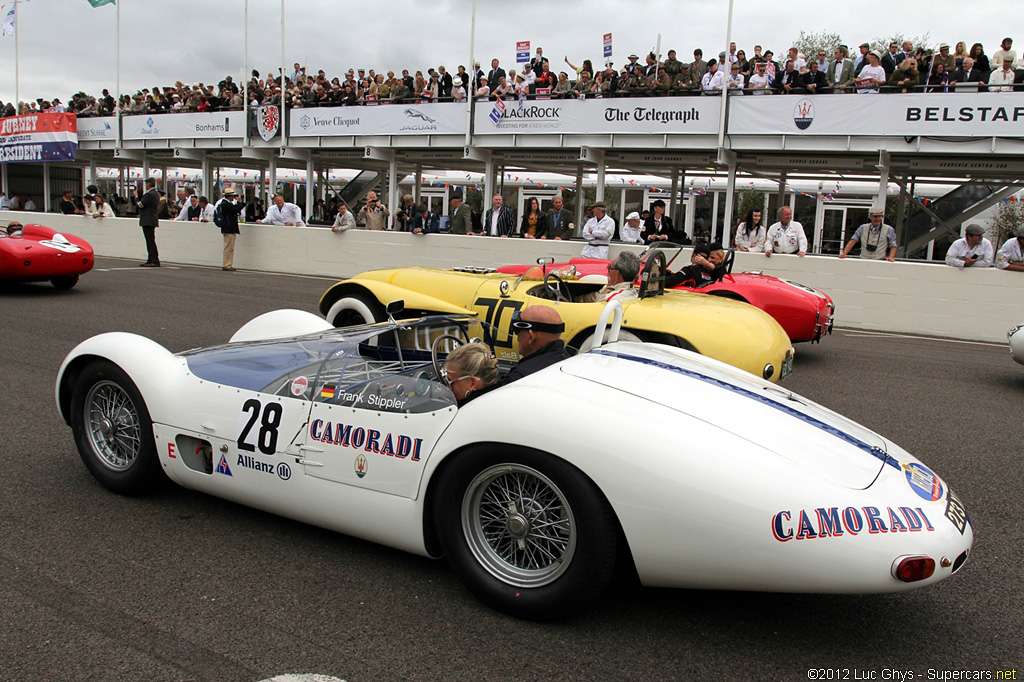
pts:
[518, 525]
[112, 425]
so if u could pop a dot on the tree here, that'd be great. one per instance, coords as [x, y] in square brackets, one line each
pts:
[882, 43]
[1009, 216]
[809, 44]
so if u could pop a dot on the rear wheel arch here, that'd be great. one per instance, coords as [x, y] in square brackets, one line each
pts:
[600, 548]
[645, 336]
[728, 294]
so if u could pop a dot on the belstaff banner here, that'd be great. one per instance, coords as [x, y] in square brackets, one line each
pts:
[662, 115]
[38, 137]
[981, 114]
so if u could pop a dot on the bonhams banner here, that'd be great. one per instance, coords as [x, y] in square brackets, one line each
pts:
[983, 114]
[183, 126]
[38, 137]
[442, 118]
[659, 115]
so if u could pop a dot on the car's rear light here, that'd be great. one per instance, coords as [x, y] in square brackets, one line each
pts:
[913, 568]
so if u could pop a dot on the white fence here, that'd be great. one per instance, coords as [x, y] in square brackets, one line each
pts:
[918, 298]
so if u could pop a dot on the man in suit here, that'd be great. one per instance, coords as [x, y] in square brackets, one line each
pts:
[786, 82]
[840, 71]
[889, 63]
[495, 75]
[559, 219]
[461, 222]
[813, 81]
[499, 221]
[967, 78]
[148, 205]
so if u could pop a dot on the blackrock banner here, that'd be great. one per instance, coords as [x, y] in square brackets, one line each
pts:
[101, 128]
[983, 114]
[38, 137]
[183, 126]
[659, 115]
[443, 118]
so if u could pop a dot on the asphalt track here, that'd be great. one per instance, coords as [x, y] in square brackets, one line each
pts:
[182, 586]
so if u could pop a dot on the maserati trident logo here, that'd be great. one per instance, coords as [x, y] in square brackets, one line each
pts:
[803, 114]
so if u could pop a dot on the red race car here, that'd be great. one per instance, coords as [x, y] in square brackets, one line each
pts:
[805, 313]
[35, 253]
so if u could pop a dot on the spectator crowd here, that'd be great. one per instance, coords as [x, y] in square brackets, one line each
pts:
[899, 68]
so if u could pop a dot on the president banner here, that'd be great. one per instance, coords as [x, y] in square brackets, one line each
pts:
[38, 137]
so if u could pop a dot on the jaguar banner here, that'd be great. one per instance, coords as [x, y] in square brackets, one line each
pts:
[445, 118]
[38, 137]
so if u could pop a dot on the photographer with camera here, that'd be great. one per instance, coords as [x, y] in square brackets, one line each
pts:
[374, 214]
[877, 240]
[406, 214]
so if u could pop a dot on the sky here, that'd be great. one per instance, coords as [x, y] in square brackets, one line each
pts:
[65, 46]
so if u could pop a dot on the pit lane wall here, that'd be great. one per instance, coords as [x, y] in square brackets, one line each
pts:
[917, 298]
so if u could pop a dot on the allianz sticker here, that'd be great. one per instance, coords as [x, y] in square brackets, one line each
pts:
[360, 466]
[923, 481]
[956, 513]
[299, 385]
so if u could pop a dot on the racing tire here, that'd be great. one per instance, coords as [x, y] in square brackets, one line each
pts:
[113, 430]
[355, 309]
[527, 533]
[64, 282]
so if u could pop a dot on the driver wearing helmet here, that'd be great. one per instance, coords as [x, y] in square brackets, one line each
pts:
[14, 229]
[706, 266]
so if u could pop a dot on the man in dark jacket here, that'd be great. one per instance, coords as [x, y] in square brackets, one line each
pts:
[229, 207]
[539, 330]
[148, 220]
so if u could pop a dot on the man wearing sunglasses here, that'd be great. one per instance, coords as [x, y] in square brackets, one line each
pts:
[539, 330]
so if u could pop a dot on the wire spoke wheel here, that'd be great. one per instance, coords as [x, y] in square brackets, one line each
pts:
[113, 425]
[519, 525]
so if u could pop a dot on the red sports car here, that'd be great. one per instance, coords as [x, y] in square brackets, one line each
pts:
[35, 253]
[805, 313]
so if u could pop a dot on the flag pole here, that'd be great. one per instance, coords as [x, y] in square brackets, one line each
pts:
[471, 87]
[284, 108]
[245, 80]
[117, 68]
[17, 84]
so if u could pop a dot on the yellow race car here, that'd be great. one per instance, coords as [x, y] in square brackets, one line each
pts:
[735, 333]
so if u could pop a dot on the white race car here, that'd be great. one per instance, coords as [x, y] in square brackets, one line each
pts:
[1016, 338]
[533, 491]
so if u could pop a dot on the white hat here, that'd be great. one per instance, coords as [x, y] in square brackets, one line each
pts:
[633, 216]
[457, 81]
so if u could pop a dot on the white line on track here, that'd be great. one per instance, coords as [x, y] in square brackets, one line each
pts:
[891, 335]
[168, 267]
[302, 677]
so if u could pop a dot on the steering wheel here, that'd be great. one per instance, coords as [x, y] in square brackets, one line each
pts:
[435, 349]
[652, 277]
[558, 288]
[730, 257]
